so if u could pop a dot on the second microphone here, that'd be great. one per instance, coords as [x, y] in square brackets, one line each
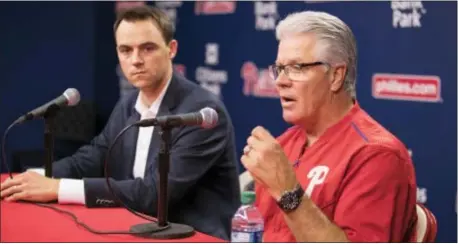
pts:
[206, 118]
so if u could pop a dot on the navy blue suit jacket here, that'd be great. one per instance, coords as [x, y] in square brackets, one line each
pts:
[203, 178]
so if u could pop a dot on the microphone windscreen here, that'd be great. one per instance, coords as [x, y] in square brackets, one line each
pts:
[73, 96]
[209, 117]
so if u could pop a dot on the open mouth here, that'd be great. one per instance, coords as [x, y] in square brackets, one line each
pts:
[287, 99]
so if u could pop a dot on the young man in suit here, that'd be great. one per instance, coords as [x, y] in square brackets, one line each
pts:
[203, 179]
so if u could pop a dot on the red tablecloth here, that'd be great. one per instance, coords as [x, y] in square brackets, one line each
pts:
[27, 222]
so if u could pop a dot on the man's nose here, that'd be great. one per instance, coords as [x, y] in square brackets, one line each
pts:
[137, 58]
[283, 80]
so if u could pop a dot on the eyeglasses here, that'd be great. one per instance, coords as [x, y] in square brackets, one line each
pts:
[296, 72]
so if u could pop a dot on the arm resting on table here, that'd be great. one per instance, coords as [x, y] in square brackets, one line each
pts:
[71, 191]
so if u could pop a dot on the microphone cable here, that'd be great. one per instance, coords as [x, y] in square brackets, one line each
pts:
[110, 189]
[113, 193]
[10, 174]
[72, 215]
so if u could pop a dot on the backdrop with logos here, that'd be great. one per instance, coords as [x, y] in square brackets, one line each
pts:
[406, 75]
[406, 71]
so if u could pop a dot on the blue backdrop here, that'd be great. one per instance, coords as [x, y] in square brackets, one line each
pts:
[406, 75]
[406, 71]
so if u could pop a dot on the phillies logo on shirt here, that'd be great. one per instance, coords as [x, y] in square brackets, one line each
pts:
[421, 88]
[214, 7]
[317, 175]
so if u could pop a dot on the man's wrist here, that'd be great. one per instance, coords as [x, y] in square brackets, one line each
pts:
[290, 200]
[289, 186]
[55, 189]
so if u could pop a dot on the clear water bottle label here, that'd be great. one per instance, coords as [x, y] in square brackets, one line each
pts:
[253, 237]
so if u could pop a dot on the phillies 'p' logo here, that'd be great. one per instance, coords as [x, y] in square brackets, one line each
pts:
[317, 175]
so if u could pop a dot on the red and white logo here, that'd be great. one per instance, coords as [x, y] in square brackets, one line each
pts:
[214, 7]
[317, 175]
[180, 68]
[420, 88]
[122, 5]
[257, 82]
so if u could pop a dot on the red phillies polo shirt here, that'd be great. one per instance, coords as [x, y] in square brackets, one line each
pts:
[359, 175]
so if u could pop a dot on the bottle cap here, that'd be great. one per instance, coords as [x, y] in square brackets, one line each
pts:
[248, 197]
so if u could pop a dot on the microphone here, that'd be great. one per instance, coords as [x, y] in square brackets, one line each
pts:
[70, 97]
[206, 118]
[162, 228]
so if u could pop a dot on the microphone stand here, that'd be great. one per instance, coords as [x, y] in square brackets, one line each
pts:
[49, 117]
[163, 229]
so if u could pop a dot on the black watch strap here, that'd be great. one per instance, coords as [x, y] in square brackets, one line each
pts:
[290, 200]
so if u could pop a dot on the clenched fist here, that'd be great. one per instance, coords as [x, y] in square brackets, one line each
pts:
[265, 159]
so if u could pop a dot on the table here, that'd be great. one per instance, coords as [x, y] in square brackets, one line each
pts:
[28, 222]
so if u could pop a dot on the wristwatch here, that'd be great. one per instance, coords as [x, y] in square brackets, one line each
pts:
[290, 200]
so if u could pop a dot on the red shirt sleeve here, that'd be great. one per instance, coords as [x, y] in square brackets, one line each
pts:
[378, 197]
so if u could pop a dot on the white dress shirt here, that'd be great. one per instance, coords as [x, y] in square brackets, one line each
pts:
[71, 191]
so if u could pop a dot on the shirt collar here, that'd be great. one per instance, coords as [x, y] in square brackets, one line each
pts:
[142, 109]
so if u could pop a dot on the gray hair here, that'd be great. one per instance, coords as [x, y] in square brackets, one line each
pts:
[336, 41]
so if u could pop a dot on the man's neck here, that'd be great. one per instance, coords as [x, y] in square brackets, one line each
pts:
[328, 115]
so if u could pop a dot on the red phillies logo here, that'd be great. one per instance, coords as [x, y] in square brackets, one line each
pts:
[214, 7]
[180, 68]
[122, 5]
[257, 82]
[407, 87]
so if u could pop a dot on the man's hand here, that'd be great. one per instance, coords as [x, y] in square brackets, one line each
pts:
[30, 186]
[265, 160]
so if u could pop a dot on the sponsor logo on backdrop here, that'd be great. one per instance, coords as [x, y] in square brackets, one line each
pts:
[257, 82]
[180, 68]
[266, 15]
[121, 5]
[211, 54]
[421, 88]
[407, 14]
[170, 8]
[422, 195]
[214, 7]
[209, 78]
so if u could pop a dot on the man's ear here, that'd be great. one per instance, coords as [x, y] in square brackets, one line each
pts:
[173, 48]
[338, 77]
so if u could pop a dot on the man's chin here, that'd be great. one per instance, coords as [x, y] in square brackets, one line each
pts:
[290, 118]
[141, 84]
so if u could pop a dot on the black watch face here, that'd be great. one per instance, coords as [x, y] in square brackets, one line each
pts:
[289, 201]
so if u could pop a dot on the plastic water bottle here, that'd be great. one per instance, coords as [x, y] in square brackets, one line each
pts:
[247, 223]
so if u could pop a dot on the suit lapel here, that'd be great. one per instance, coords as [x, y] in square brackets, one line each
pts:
[166, 108]
[130, 145]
